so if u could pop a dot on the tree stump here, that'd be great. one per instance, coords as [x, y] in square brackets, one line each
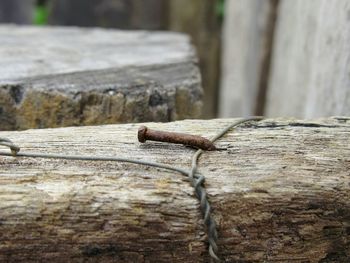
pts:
[279, 188]
[52, 77]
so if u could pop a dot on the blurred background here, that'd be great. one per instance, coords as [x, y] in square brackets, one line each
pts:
[257, 57]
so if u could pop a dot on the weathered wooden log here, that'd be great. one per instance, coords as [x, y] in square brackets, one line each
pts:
[280, 192]
[51, 77]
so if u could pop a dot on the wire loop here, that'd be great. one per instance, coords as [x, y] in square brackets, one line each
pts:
[8, 143]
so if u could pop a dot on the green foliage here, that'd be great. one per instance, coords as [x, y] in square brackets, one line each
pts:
[220, 8]
[40, 15]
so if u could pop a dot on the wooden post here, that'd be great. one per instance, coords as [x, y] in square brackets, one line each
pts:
[279, 190]
[310, 74]
[51, 77]
[199, 19]
[247, 43]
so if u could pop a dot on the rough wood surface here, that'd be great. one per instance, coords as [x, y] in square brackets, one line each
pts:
[52, 77]
[280, 190]
[247, 37]
[310, 75]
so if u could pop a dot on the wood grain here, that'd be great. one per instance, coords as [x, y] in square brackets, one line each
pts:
[247, 35]
[310, 72]
[279, 189]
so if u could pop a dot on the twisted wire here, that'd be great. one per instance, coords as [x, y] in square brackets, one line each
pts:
[197, 179]
[197, 183]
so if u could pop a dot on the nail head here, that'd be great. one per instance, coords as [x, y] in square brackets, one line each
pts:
[141, 134]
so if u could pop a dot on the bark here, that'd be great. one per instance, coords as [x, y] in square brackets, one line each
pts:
[279, 189]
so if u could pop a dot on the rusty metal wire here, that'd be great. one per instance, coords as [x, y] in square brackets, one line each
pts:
[197, 180]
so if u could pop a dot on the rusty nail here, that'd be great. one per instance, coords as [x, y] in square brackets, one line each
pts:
[145, 133]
